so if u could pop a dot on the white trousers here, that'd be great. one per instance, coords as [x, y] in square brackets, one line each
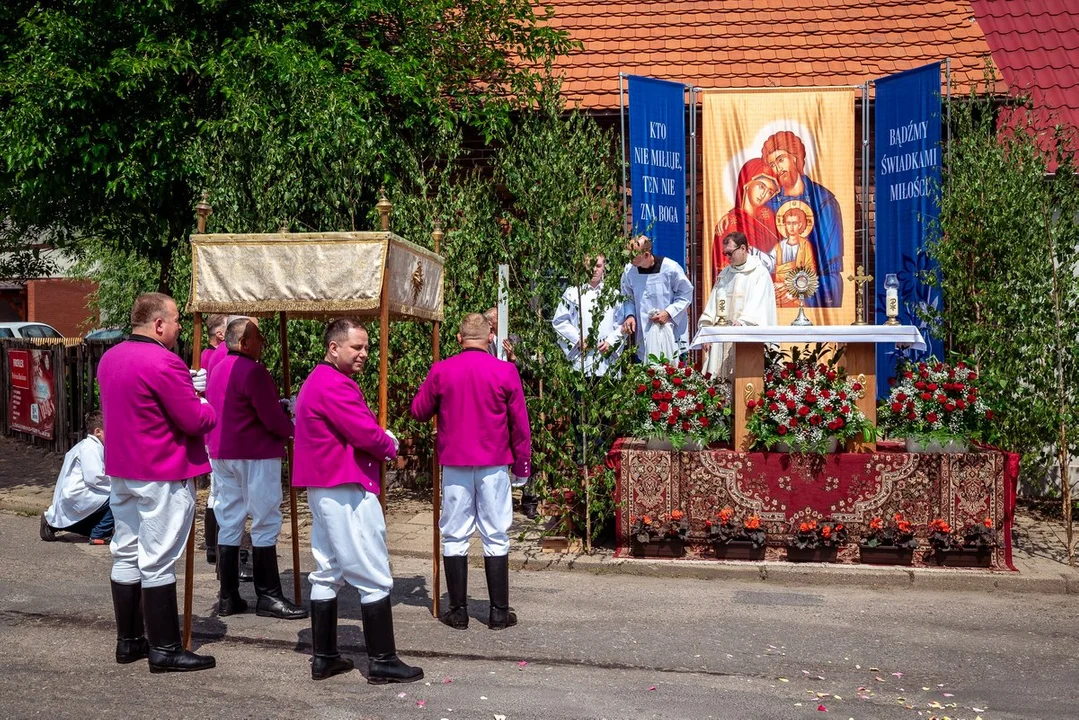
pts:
[152, 522]
[248, 488]
[476, 497]
[348, 540]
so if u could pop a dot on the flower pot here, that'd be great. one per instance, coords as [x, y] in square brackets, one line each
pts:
[954, 445]
[738, 550]
[821, 554]
[665, 444]
[659, 549]
[964, 557]
[833, 444]
[886, 555]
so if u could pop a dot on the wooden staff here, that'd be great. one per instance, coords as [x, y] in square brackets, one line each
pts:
[286, 383]
[436, 479]
[384, 207]
[189, 560]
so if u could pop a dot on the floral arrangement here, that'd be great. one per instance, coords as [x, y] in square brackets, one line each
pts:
[812, 535]
[646, 529]
[680, 404]
[806, 403]
[933, 401]
[976, 536]
[724, 530]
[898, 533]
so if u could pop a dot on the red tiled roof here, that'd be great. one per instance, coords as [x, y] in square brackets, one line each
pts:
[761, 43]
[1035, 44]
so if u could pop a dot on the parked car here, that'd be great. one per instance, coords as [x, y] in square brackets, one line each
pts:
[106, 334]
[28, 330]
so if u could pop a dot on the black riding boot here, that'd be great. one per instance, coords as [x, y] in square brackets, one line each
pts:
[529, 506]
[498, 589]
[457, 589]
[229, 601]
[383, 664]
[271, 601]
[247, 574]
[209, 527]
[327, 662]
[131, 642]
[163, 633]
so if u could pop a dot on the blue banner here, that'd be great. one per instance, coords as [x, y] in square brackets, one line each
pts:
[657, 157]
[907, 166]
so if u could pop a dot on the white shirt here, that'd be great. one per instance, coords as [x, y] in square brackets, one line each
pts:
[82, 487]
[578, 309]
[648, 293]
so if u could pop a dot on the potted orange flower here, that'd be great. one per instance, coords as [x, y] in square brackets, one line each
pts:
[660, 536]
[817, 541]
[888, 543]
[973, 547]
[744, 540]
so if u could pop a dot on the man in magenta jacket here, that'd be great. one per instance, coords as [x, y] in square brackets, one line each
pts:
[156, 425]
[338, 448]
[246, 447]
[483, 437]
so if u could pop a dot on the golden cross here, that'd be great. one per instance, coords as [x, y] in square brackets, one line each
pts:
[859, 279]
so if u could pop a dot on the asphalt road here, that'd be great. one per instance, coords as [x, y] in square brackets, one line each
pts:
[607, 646]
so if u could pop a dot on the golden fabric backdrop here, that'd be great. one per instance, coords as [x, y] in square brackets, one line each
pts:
[779, 166]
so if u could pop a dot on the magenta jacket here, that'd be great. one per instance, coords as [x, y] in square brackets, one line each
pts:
[338, 440]
[251, 424]
[482, 419]
[217, 355]
[155, 421]
[205, 355]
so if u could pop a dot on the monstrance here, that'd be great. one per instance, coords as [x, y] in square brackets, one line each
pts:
[801, 283]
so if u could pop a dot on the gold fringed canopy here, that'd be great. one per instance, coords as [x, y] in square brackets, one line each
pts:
[314, 275]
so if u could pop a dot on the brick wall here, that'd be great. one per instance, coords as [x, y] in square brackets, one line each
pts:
[61, 302]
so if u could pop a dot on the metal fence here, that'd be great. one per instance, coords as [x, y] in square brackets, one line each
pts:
[74, 386]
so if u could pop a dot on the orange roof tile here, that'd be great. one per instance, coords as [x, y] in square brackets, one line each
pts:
[747, 43]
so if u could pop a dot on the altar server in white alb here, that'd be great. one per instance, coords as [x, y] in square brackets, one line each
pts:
[339, 446]
[157, 426]
[80, 502]
[746, 288]
[483, 437]
[246, 447]
[591, 353]
[657, 293]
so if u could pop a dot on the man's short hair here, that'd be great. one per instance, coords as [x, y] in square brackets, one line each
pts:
[491, 314]
[338, 330]
[474, 327]
[94, 421]
[784, 140]
[148, 307]
[641, 244]
[214, 323]
[234, 333]
[738, 238]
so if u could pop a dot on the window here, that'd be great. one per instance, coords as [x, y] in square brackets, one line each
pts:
[39, 331]
[5, 333]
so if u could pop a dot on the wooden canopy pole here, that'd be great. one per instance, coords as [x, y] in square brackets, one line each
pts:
[436, 475]
[189, 559]
[203, 210]
[384, 207]
[286, 386]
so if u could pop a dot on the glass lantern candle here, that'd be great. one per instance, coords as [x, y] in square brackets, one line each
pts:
[891, 298]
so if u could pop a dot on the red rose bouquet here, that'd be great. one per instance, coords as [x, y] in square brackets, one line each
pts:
[807, 403]
[678, 403]
[931, 401]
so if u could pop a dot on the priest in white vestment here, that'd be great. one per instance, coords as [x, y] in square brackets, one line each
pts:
[591, 354]
[746, 287]
[657, 292]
